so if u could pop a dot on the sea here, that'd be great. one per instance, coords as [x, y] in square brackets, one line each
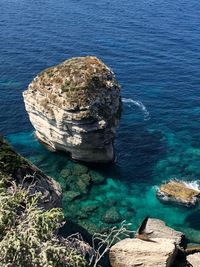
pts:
[153, 47]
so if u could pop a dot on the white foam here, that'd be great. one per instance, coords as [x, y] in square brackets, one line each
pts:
[165, 198]
[155, 188]
[138, 104]
[195, 185]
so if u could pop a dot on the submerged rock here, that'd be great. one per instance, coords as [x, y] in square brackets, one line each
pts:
[79, 169]
[96, 177]
[112, 216]
[75, 107]
[78, 183]
[70, 196]
[178, 191]
[65, 173]
[89, 208]
[136, 252]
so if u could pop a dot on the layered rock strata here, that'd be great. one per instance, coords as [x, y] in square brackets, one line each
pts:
[75, 107]
[178, 191]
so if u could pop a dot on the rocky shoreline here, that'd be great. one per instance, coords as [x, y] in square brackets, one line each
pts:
[75, 107]
[166, 248]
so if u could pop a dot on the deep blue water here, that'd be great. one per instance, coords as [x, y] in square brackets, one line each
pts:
[154, 49]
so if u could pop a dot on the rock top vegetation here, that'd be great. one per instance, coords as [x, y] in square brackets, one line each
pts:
[75, 107]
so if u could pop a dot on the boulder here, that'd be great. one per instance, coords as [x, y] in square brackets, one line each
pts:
[160, 230]
[112, 216]
[178, 191]
[70, 196]
[96, 177]
[79, 169]
[75, 177]
[78, 183]
[65, 173]
[135, 252]
[89, 208]
[194, 259]
[75, 107]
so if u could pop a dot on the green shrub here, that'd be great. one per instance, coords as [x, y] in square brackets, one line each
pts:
[28, 233]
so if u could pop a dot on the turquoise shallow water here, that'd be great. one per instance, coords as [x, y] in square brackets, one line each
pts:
[132, 193]
[153, 47]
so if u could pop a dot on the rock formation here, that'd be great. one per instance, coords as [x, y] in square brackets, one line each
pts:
[30, 225]
[194, 260]
[163, 248]
[15, 168]
[178, 191]
[75, 107]
[135, 252]
[159, 229]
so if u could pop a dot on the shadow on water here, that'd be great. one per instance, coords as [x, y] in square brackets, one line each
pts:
[70, 228]
[137, 153]
[193, 220]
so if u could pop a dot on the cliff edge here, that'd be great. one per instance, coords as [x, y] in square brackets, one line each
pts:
[16, 169]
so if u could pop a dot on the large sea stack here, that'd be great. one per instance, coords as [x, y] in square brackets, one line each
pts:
[75, 107]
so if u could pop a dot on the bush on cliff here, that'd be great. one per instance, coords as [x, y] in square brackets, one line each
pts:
[28, 233]
[29, 224]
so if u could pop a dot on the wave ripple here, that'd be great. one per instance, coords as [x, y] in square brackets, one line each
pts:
[139, 104]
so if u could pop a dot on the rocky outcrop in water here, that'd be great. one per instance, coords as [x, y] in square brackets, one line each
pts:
[178, 191]
[16, 169]
[75, 107]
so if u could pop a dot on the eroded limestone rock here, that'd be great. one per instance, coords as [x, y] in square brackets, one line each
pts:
[194, 259]
[178, 191]
[159, 229]
[135, 252]
[75, 107]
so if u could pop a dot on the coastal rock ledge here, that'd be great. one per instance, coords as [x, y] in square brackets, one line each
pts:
[75, 107]
[161, 252]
